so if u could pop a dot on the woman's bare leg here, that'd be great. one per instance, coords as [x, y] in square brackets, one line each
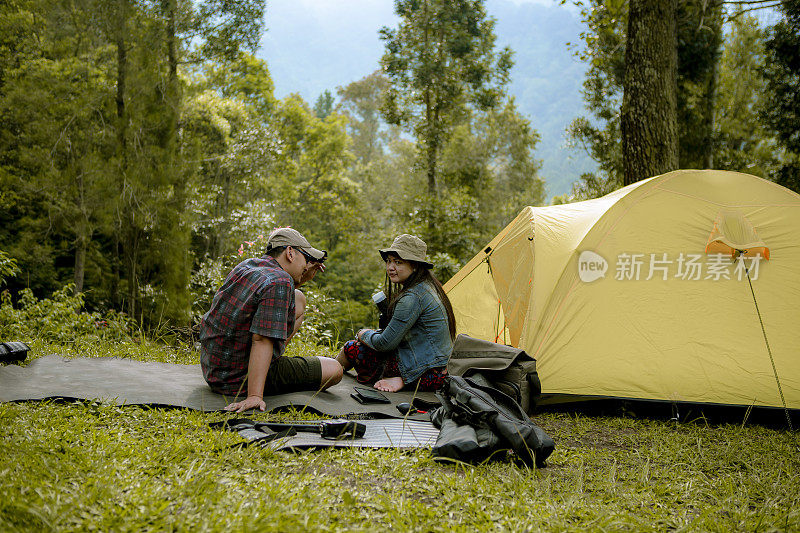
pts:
[342, 359]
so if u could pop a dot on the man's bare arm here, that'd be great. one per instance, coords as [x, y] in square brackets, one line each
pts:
[257, 368]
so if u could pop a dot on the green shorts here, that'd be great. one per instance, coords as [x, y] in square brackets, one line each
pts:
[290, 374]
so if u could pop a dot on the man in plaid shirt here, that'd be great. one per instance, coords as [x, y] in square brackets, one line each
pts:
[253, 316]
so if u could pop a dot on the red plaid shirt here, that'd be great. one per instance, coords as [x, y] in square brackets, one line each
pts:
[256, 297]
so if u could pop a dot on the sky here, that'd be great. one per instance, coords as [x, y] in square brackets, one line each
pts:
[303, 26]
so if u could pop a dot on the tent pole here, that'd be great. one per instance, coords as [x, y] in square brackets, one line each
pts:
[499, 303]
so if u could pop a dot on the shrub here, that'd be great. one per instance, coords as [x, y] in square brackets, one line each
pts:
[327, 319]
[331, 321]
[59, 319]
[8, 267]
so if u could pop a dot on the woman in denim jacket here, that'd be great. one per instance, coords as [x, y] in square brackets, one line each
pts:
[413, 349]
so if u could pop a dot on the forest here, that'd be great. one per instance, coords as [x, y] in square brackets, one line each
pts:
[143, 152]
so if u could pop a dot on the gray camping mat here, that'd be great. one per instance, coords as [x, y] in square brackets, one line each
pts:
[387, 433]
[129, 382]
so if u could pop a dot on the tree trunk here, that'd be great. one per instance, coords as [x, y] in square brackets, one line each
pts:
[225, 214]
[80, 259]
[431, 147]
[132, 246]
[172, 57]
[122, 140]
[431, 164]
[710, 117]
[173, 105]
[83, 235]
[115, 271]
[175, 261]
[648, 118]
[430, 134]
[122, 66]
[715, 10]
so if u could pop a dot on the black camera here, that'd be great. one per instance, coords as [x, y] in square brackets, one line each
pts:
[13, 352]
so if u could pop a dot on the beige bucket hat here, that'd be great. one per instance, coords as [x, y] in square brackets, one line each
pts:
[408, 247]
[292, 237]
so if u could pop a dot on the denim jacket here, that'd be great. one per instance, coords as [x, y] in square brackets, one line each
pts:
[418, 331]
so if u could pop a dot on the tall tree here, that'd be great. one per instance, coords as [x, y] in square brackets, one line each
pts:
[440, 60]
[699, 29]
[246, 78]
[649, 121]
[57, 103]
[699, 48]
[21, 206]
[119, 35]
[92, 101]
[742, 142]
[360, 102]
[603, 51]
[324, 105]
[490, 172]
[226, 103]
[156, 190]
[211, 126]
[782, 72]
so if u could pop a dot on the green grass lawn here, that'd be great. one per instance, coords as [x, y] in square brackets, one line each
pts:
[98, 466]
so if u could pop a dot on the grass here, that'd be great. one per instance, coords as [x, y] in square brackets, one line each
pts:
[97, 466]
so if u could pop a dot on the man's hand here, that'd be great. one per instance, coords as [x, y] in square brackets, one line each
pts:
[251, 402]
[310, 272]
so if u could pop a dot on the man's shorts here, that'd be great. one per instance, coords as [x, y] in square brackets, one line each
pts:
[291, 374]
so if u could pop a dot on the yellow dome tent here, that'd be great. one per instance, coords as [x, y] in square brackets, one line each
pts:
[644, 293]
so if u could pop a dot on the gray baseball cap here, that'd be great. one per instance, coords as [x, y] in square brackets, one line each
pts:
[291, 237]
[408, 247]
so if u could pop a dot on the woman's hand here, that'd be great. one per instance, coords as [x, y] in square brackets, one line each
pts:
[251, 402]
[360, 333]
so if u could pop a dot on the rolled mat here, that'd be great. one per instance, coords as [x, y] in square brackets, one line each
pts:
[129, 382]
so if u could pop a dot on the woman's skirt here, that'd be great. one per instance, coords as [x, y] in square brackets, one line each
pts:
[371, 366]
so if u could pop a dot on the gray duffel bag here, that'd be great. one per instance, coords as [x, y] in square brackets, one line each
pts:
[508, 369]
